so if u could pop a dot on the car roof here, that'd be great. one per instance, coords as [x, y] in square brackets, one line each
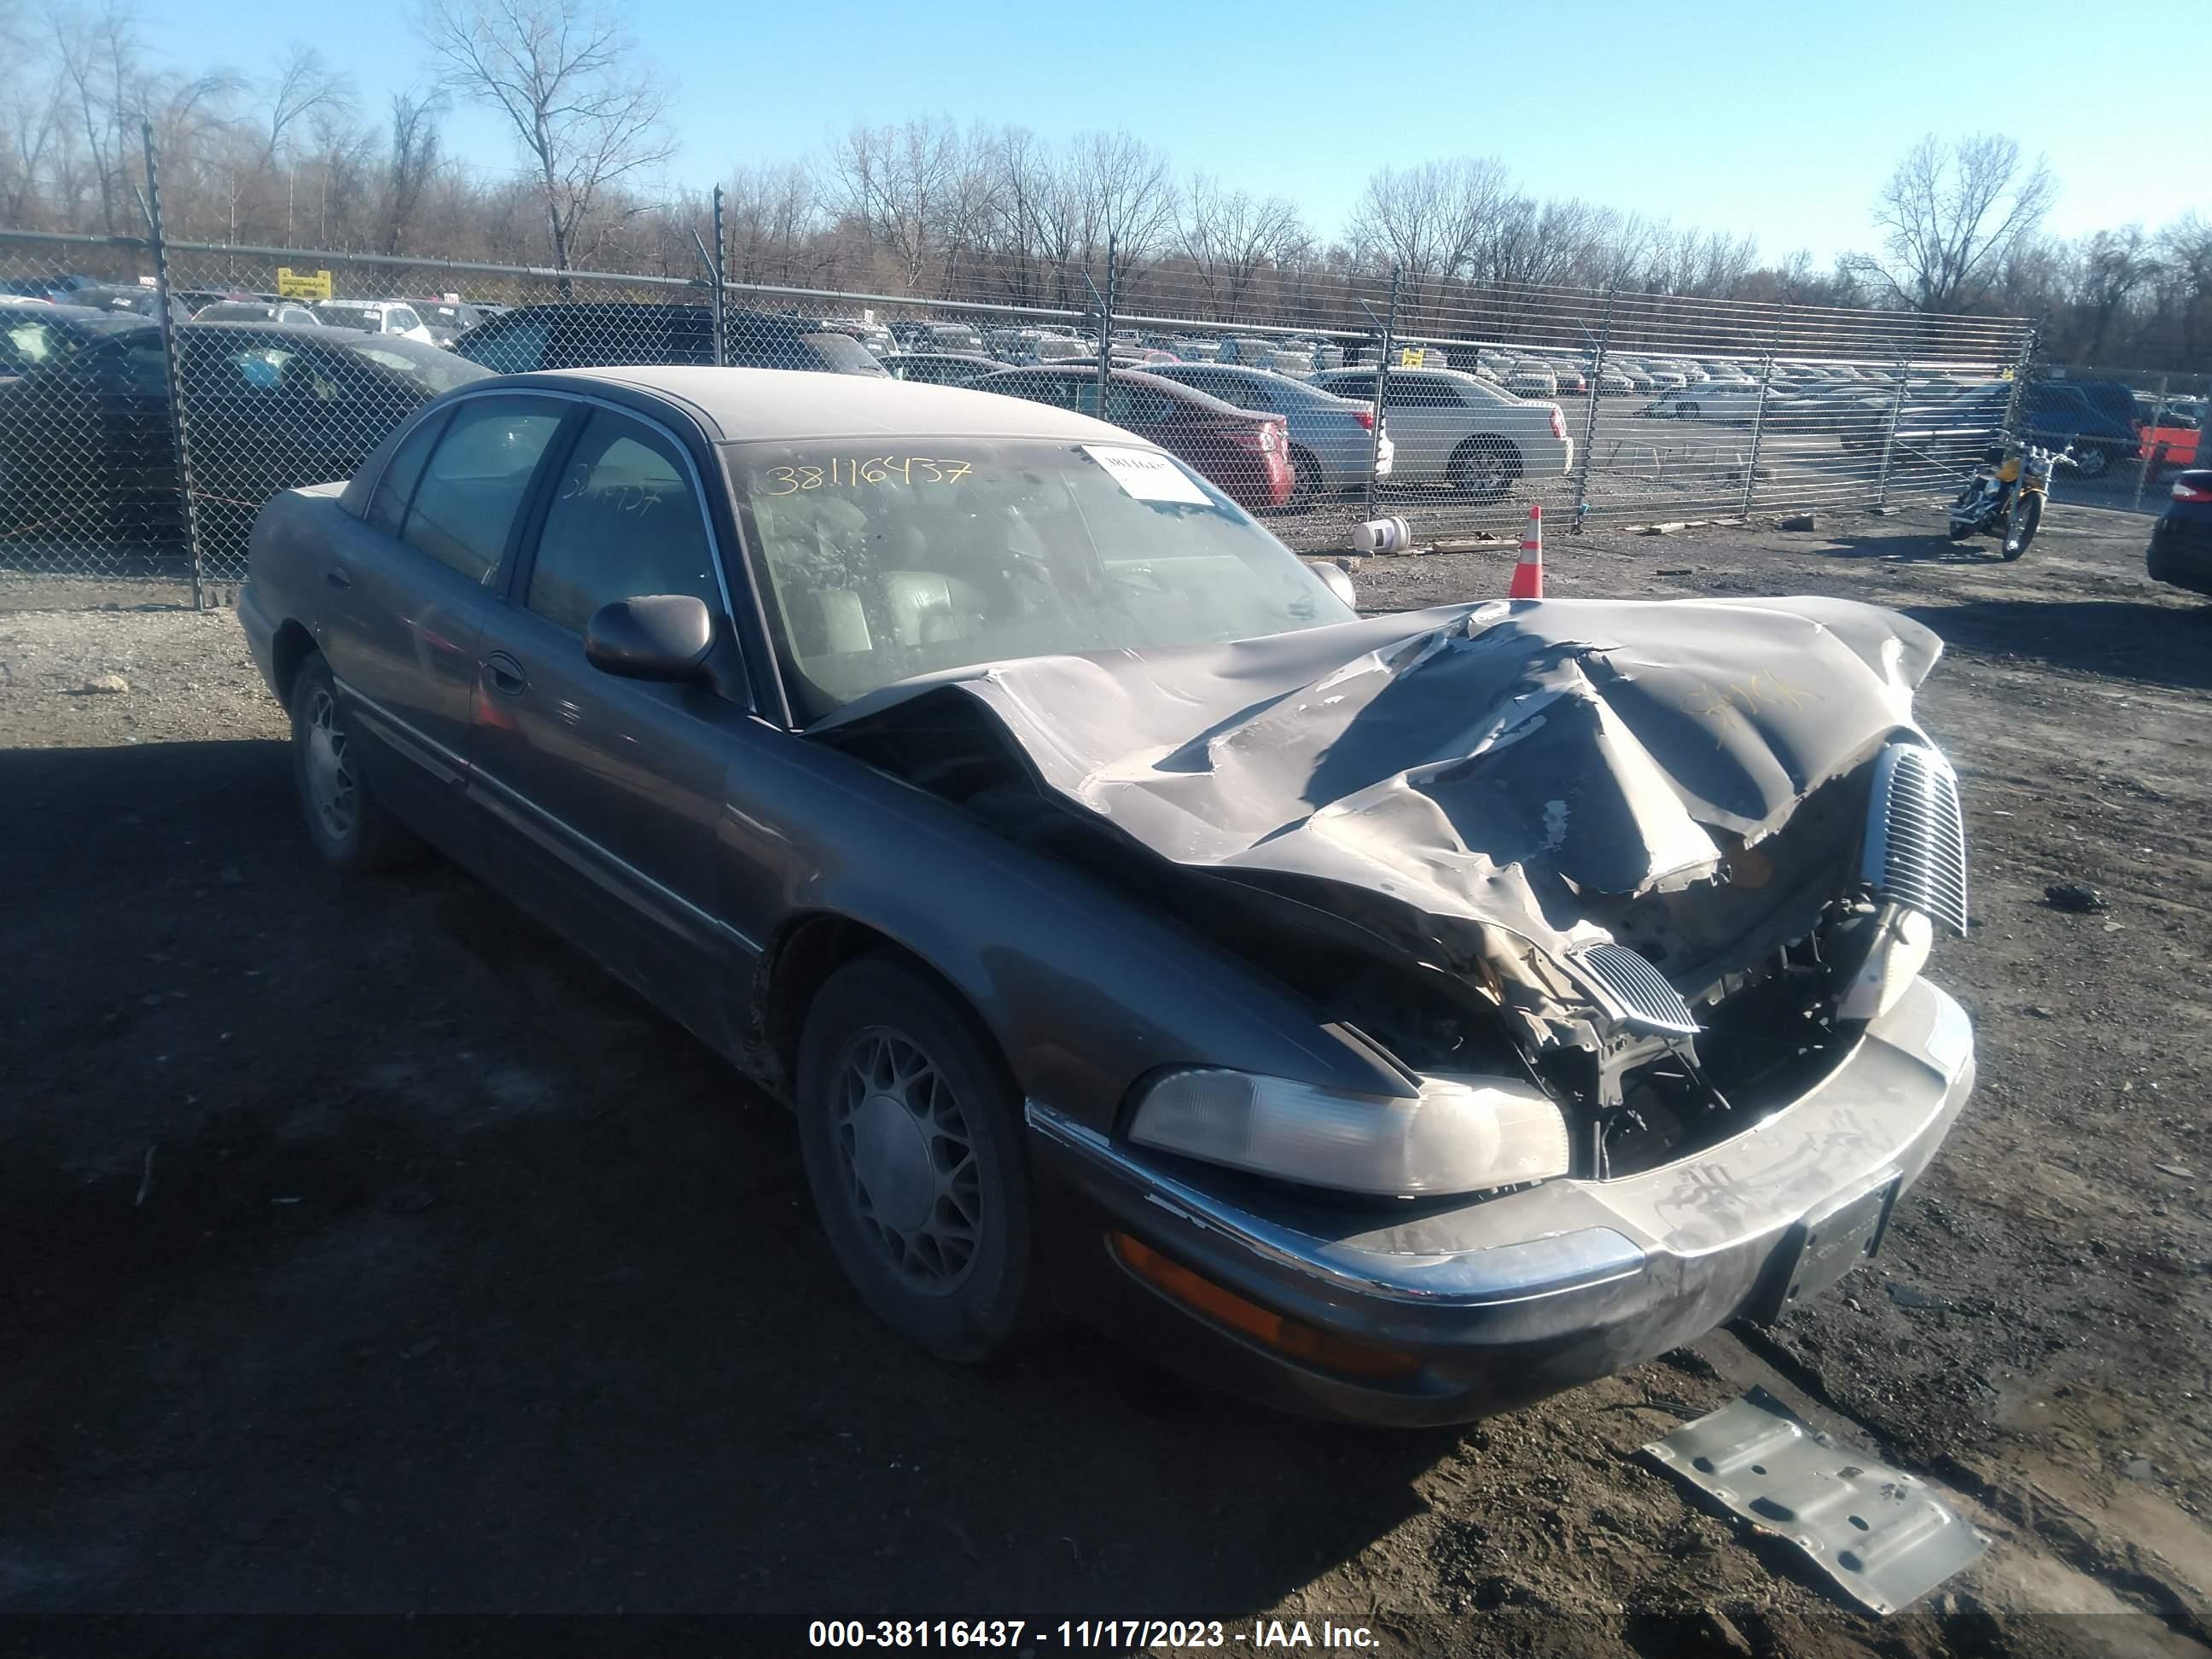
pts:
[745, 405]
[1176, 389]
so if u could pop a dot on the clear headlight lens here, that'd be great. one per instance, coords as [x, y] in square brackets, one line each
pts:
[1464, 1134]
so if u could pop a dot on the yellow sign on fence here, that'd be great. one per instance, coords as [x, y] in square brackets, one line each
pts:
[302, 284]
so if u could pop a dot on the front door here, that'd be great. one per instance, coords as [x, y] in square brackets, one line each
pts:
[600, 795]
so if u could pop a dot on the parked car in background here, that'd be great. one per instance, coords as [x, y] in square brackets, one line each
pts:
[1531, 379]
[2181, 540]
[1246, 455]
[1332, 441]
[84, 429]
[132, 301]
[940, 367]
[290, 312]
[447, 319]
[1614, 382]
[1447, 428]
[1954, 429]
[1723, 401]
[1124, 918]
[598, 334]
[912, 334]
[388, 316]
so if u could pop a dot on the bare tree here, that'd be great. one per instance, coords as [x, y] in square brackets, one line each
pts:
[894, 183]
[1126, 196]
[1950, 215]
[768, 214]
[1429, 220]
[303, 87]
[1230, 237]
[414, 158]
[586, 110]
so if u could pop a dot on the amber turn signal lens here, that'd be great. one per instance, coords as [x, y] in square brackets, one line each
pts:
[1322, 1350]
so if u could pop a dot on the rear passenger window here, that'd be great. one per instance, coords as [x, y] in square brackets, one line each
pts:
[466, 502]
[387, 507]
[625, 521]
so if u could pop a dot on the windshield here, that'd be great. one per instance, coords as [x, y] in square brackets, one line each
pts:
[840, 354]
[894, 557]
[427, 366]
[367, 318]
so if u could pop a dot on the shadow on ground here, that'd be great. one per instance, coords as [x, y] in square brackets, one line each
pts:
[368, 1248]
[2128, 639]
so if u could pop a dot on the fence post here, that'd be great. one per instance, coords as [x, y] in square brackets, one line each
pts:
[2143, 468]
[2014, 437]
[1589, 424]
[1758, 425]
[1382, 380]
[152, 207]
[1889, 432]
[717, 275]
[1106, 326]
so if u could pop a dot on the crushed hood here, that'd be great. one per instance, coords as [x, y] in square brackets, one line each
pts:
[1435, 774]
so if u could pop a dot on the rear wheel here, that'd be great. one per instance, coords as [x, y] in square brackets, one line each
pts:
[1960, 532]
[351, 829]
[1485, 468]
[915, 1149]
[1305, 478]
[1686, 411]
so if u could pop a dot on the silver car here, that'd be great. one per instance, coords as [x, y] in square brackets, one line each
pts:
[1332, 438]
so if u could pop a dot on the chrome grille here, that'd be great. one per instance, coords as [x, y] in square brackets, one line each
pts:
[1639, 993]
[1916, 839]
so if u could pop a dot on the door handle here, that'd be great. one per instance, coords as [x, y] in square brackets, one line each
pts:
[506, 674]
[339, 576]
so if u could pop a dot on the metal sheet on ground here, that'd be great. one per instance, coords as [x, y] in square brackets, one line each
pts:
[1882, 1535]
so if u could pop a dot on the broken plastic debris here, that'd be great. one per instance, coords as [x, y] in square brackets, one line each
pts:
[1879, 1533]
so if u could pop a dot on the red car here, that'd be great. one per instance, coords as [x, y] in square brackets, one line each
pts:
[1246, 455]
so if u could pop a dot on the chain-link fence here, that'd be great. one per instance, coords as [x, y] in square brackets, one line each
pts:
[1319, 404]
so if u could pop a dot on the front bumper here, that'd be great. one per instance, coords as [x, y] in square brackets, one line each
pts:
[1506, 1300]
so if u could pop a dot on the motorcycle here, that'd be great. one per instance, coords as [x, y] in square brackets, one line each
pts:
[2006, 496]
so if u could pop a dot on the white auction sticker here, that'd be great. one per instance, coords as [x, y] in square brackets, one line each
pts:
[1147, 475]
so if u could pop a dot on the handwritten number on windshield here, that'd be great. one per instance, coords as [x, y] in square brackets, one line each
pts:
[853, 472]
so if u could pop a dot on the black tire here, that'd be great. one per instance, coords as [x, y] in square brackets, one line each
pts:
[1305, 478]
[1686, 411]
[2027, 519]
[1960, 532]
[352, 829]
[1485, 468]
[963, 1302]
[2092, 462]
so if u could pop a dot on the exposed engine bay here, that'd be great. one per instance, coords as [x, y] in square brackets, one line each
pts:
[1663, 858]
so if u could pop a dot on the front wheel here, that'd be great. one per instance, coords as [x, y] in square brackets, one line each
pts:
[2027, 518]
[915, 1149]
[2093, 462]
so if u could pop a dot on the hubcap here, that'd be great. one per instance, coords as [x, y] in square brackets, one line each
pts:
[331, 788]
[909, 1162]
[1484, 473]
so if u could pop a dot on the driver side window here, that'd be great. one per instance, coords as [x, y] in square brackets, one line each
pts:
[624, 521]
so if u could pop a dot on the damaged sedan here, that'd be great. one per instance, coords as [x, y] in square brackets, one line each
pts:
[1394, 1019]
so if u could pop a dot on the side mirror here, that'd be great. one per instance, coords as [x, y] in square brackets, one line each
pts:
[655, 637]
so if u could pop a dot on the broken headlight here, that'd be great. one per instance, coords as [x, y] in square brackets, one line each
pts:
[1462, 1135]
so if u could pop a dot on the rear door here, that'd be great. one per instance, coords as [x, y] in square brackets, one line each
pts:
[600, 795]
[409, 587]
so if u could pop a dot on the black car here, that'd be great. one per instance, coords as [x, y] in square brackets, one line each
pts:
[597, 334]
[940, 367]
[134, 300]
[85, 442]
[1957, 429]
[2181, 540]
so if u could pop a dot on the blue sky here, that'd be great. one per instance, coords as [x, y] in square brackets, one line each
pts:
[1776, 120]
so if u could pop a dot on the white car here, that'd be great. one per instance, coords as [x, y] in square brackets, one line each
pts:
[374, 317]
[1531, 379]
[1447, 427]
[1711, 400]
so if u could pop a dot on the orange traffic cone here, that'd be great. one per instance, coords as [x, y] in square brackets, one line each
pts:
[1529, 574]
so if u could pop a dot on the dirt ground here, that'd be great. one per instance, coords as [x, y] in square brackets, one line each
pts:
[367, 1250]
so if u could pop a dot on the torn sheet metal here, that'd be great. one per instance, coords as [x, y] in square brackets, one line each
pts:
[1880, 1533]
[1492, 764]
